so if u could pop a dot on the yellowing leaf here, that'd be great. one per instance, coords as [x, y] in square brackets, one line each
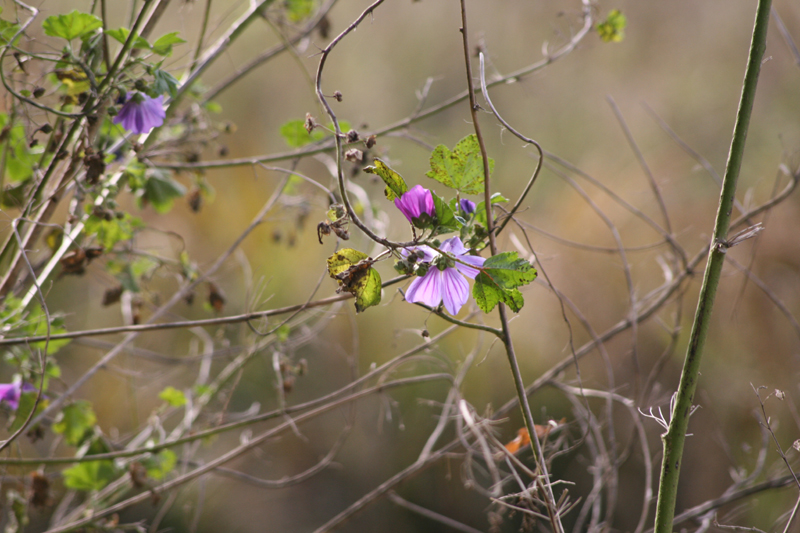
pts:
[354, 273]
[395, 184]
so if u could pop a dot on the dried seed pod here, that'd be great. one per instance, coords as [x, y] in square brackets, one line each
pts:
[354, 155]
[112, 295]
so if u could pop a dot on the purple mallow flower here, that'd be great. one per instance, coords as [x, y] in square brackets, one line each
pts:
[10, 393]
[140, 114]
[467, 206]
[445, 279]
[417, 205]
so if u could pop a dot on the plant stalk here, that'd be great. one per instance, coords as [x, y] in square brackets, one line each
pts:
[675, 436]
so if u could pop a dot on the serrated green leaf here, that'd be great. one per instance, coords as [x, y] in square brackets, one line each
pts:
[73, 24]
[173, 396]
[121, 35]
[163, 45]
[498, 281]
[395, 184]
[164, 82]
[89, 476]
[160, 190]
[295, 134]
[446, 221]
[354, 273]
[76, 422]
[613, 28]
[461, 169]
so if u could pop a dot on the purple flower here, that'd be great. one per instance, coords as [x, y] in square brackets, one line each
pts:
[446, 284]
[10, 393]
[140, 114]
[417, 205]
[467, 206]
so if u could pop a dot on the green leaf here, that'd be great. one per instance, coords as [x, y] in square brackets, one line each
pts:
[37, 325]
[121, 35]
[20, 160]
[76, 422]
[7, 30]
[353, 270]
[110, 232]
[461, 169]
[161, 464]
[445, 217]
[480, 209]
[160, 190]
[299, 9]
[89, 476]
[295, 134]
[213, 107]
[163, 45]
[498, 281]
[173, 396]
[72, 25]
[26, 402]
[283, 333]
[613, 28]
[395, 184]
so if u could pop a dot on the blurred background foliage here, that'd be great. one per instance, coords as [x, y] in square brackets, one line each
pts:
[683, 60]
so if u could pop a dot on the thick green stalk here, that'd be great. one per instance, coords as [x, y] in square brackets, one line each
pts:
[676, 434]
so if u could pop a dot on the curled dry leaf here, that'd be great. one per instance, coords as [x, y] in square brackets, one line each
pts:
[523, 437]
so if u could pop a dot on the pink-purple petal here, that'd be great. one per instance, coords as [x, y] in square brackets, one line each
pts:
[415, 202]
[454, 246]
[474, 260]
[455, 290]
[426, 289]
[141, 116]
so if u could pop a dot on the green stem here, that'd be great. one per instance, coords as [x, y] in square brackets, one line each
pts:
[505, 337]
[676, 434]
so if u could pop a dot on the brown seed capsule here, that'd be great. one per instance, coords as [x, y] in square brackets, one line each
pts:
[112, 295]
[354, 155]
[138, 474]
[371, 140]
[352, 136]
[38, 92]
[40, 490]
[93, 252]
[323, 27]
[215, 298]
[195, 199]
[73, 262]
[95, 167]
[338, 96]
